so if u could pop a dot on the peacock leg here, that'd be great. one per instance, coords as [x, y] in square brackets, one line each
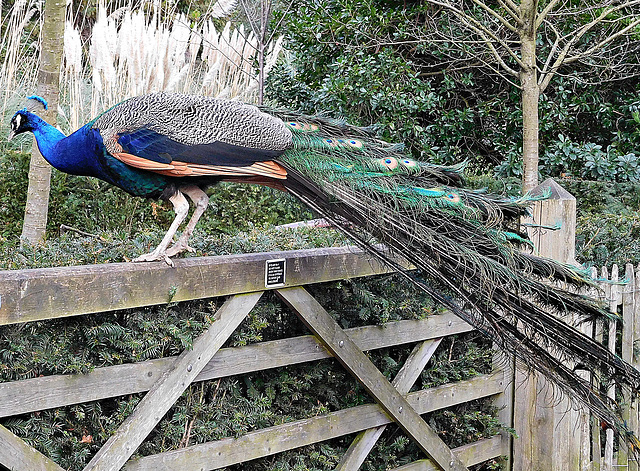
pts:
[181, 208]
[201, 202]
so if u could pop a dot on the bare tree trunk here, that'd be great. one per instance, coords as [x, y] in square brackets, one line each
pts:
[35, 216]
[530, 95]
[530, 125]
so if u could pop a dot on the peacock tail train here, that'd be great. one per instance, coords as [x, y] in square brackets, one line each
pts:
[466, 246]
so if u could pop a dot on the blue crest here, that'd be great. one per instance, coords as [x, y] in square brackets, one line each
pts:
[40, 100]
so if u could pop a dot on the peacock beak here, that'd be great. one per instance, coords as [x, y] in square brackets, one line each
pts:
[11, 135]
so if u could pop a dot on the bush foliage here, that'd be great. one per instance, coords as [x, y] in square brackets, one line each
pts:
[361, 59]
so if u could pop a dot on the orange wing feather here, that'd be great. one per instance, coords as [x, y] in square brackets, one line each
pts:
[176, 168]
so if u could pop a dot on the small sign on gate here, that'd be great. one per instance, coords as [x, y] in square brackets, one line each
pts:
[274, 273]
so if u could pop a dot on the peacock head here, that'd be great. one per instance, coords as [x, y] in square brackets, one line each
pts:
[22, 121]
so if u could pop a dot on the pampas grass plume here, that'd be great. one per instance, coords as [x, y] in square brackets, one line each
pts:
[129, 54]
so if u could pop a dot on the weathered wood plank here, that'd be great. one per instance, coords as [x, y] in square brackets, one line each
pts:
[471, 455]
[359, 365]
[504, 402]
[16, 454]
[547, 434]
[20, 397]
[614, 300]
[37, 294]
[581, 417]
[559, 210]
[164, 393]
[408, 374]
[532, 450]
[634, 423]
[272, 440]
[628, 321]
[596, 441]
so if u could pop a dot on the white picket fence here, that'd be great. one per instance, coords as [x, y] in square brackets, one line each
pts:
[622, 293]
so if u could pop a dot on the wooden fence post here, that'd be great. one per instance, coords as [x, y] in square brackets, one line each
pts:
[634, 419]
[553, 230]
[550, 431]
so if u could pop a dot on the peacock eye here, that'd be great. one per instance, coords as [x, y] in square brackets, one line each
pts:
[390, 163]
[332, 142]
[453, 197]
[355, 143]
[303, 127]
[409, 163]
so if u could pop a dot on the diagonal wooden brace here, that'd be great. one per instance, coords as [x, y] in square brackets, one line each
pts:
[408, 374]
[357, 363]
[166, 391]
[15, 453]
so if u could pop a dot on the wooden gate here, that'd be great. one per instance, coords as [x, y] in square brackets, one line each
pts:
[29, 295]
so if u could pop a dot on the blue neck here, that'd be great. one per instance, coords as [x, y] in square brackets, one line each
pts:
[47, 137]
[69, 154]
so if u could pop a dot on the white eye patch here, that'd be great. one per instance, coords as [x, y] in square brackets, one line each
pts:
[17, 121]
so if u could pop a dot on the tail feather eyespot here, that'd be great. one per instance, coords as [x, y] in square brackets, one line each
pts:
[389, 163]
[453, 197]
[331, 142]
[302, 127]
[408, 163]
[336, 142]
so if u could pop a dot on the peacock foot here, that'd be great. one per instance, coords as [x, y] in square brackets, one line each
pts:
[156, 255]
[179, 247]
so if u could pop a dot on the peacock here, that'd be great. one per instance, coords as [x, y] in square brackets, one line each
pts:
[466, 246]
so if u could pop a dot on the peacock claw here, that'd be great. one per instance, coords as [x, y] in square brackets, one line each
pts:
[178, 248]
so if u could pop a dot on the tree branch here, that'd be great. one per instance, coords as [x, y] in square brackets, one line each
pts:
[602, 43]
[543, 14]
[511, 5]
[511, 11]
[486, 34]
[286, 11]
[562, 57]
[496, 15]
[545, 68]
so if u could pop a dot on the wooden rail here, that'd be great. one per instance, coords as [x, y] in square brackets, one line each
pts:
[30, 395]
[47, 293]
[28, 295]
[284, 437]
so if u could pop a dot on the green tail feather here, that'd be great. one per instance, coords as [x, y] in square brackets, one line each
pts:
[466, 246]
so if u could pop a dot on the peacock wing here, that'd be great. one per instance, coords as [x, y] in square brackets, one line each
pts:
[183, 135]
